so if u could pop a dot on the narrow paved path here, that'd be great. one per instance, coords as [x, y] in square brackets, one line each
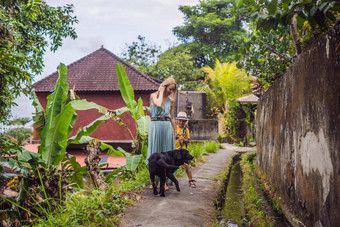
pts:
[191, 206]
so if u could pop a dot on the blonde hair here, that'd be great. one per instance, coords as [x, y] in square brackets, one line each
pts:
[168, 82]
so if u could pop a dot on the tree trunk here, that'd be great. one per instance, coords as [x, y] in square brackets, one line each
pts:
[295, 35]
[92, 161]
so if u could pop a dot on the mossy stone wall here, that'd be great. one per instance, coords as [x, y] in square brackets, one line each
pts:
[298, 133]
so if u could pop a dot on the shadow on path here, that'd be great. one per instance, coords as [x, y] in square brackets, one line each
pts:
[191, 206]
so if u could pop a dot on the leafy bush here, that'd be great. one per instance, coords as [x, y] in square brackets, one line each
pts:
[95, 208]
[136, 181]
[198, 150]
[211, 147]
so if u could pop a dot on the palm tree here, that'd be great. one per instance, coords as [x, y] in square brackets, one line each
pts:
[224, 83]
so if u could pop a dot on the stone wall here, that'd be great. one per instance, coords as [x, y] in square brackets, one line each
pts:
[298, 133]
[200, 127]
[198, 100]
[204, 129]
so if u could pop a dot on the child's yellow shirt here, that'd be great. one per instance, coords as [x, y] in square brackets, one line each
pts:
[180, 134]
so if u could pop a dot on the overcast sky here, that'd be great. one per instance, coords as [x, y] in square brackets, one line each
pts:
[111, 23]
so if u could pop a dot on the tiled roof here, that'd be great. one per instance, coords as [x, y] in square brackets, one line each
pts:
[97, 72]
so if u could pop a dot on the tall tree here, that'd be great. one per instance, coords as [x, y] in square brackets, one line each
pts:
[178, 63]
[266, 54]
[210, 31]
[27, 28]
[279, 31]
[306, 18]
[141, 54]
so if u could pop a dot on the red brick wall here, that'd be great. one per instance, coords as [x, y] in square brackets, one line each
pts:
[109, 130]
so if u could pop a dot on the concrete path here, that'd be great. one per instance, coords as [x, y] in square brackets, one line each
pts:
[191, 206]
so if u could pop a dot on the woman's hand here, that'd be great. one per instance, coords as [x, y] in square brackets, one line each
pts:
[162, 89]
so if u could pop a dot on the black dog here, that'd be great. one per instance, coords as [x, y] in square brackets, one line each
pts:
[164, 164]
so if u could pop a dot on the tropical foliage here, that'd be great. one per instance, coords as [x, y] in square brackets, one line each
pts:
[225, 82]
[104, 208]
[54, 126]
[137, 113]
[27, 28]
[210, 31]
[266, 54]
[279, 32]
[318, 15]
[178, 63]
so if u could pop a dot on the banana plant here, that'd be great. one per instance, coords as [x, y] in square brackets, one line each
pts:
[55, 124]
[137, 113]
[136, 110]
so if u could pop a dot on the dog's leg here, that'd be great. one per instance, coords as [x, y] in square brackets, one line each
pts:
[154, 186]
[173, 178]
[162, 182]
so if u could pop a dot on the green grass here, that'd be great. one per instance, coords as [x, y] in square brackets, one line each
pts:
[200, 150]
[253, 201]
[88, 208]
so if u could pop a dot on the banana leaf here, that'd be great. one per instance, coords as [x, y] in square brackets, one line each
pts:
[55, 102]
[77, 172]
[126, 90]
[143, 125]
[107, 163]
[89, 129]
[123, 151]
[111, 150]
[140, 109]
[144, 149]
[54, 148]
[34, 159]
[82, 140]
[39, 116]
[132, 162]
[120, 111]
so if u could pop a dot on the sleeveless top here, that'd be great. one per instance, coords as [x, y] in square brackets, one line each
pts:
[161, 135]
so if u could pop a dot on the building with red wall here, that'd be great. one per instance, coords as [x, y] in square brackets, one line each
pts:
[94, 79]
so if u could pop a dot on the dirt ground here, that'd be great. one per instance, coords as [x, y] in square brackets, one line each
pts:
[190, 206]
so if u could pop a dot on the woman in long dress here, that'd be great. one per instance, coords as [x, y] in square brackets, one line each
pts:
[162, 132]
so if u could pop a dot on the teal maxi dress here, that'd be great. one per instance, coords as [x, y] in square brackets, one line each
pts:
[161, 134]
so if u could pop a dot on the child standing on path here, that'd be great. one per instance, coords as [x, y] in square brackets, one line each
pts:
[182, 139]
